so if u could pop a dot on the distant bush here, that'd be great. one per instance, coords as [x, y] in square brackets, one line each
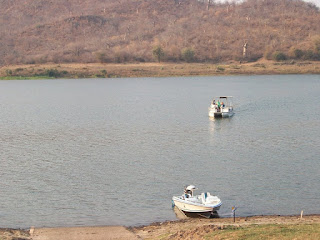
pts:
[316, 48]
[19, 69]
[158, 53]
[187, 54]
[53, 73]
[122, 57]
[30, 60]
[309, 55]
[101, 57]
[8, 72]
[220, 69]
[298, 53]
[317, 44]
[140, 59]
[103, 74]
[254, 57]
[279, 56]
[268, 53]
[259, 65]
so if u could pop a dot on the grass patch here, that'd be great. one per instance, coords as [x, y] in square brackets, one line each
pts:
[38, 77]
[153, 70]
[220, 69]
[19, 69]
[164, 236]
[41, 74]
[269, 231]
[259, 65]
[235, 67]
[137, 70]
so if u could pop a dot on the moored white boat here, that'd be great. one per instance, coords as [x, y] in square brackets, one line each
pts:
[204, 204]
[221, 107]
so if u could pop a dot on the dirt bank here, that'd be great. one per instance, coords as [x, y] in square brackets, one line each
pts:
[261, 227]
[201, 228]
[97, 70]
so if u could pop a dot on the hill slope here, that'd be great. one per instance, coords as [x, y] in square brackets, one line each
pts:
[39, 31]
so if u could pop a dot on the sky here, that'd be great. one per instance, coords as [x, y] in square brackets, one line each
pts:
[316, 2]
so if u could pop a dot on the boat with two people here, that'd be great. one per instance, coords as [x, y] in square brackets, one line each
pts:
[204, 205]
[221, 107]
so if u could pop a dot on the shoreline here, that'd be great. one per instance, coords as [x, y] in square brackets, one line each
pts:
[136, 70]
[305, 227]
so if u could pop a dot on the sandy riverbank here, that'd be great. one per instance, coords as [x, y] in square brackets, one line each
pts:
[97, 70]
[263, 227]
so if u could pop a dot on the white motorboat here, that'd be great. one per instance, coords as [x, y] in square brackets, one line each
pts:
[204, 204]
[221, 107]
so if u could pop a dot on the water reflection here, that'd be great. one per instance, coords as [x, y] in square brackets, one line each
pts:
[212, 125]
[218, 124]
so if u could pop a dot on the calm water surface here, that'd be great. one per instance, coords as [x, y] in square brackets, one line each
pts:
[114, 151]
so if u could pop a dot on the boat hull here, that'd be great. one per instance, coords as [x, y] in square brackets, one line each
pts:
[225, 113]
[213, 214]
[190, 208]
[221, 114]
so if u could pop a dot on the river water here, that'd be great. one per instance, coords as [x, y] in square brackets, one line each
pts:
[114, 151]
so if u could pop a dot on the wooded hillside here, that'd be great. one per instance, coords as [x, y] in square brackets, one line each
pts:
[40, 31]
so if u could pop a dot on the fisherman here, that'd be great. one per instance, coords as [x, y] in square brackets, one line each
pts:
[187, 193]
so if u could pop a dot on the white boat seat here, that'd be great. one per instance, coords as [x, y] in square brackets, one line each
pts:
[207, 198]
[204, 197]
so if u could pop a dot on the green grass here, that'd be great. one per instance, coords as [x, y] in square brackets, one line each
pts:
[270, 231]
[25, 78]
[164, 236]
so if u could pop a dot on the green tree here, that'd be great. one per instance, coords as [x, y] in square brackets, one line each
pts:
[158, 53]
[188, 54]
[53, 73]
[298, 53]
[279, 56]
[309, 55]
[317, 44]
[268, 52]
[317, 48]
[8, 72]
[101, 57]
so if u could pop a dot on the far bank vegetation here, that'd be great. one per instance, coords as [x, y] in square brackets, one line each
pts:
[96, 31]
